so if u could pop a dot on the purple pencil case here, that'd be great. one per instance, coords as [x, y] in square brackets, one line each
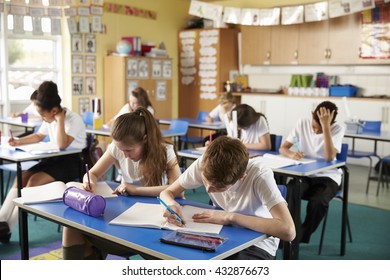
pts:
[83, 201]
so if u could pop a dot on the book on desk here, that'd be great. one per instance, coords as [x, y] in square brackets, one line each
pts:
[278, 161]
[55, 190]
[151, 216]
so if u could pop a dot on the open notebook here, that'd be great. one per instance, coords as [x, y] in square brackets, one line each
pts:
[278, 161]
[54, 191]
[39, 148]
[151, 216]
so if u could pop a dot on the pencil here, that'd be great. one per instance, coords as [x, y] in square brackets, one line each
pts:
[87, 171]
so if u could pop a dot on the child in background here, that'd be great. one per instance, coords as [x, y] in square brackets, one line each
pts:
[225, 106]
[66, 129]
[246, 191]
[319, 137]
[30, 109]
[138, 98]
[148, 164]
[253, 129]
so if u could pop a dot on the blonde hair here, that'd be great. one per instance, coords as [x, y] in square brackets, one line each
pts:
[226, 97]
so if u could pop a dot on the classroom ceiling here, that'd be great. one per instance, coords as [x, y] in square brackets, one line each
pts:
[258, 3]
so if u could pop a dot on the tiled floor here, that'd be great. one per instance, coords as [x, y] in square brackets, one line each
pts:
[357, 189]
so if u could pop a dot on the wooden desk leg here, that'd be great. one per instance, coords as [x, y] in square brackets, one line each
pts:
[344, 212]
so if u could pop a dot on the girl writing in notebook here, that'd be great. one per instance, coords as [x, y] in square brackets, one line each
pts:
[252, 126]
[66, 129]
[148, 165]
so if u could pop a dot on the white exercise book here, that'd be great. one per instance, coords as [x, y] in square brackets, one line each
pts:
[278, 161]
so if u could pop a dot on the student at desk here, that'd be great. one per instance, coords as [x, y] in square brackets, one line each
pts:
[318, 137]
[64, 127]
[246, 191]
[144, 158]
[253, 129]
[138, 98]
[30, 109]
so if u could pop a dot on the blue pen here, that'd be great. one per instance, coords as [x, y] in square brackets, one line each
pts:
[170, 210]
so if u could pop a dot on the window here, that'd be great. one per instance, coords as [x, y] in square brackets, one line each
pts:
[28, 59]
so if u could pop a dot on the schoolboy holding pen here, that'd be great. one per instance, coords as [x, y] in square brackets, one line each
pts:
[246, 191]
[148, 164]
[319, 137]
[66, 129]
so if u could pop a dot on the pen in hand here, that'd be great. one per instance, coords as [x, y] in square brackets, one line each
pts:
[89, 180]
[11, 134]
[171, 211]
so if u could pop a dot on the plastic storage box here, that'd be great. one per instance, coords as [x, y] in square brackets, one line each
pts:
[354, 127]
[347, 90]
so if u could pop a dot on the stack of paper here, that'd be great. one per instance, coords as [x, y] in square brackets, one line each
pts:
[278, 161]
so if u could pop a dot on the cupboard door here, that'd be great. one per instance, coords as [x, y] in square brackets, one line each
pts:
[284, 44]
[344, 39]
[313, 43]
[256, 44]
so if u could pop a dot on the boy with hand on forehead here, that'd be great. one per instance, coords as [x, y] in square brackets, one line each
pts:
[319, 137]
[245, 190]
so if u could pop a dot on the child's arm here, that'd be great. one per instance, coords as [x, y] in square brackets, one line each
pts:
[264, 143]
[173, 172]
[326, 117]
[280, 225]
[100, 168]
[63, 139]
[168, 196]
[29, 139]
[285, 150]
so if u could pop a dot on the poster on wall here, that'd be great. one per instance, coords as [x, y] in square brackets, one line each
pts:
[84, 105]
[132, 68]
[187, 57]
[90, 85]
[156, 69]
[143, 69]
[90, 64]
[269, 16]
[77, 85]
[77, 43]
[161, 90]
[167, 69]
[316, 12]
[292, 15]
[77, 64]
[90, 43]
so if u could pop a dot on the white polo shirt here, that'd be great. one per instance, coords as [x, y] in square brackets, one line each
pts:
[255, 195]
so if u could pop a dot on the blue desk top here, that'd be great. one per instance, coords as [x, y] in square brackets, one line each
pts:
[142, 239]
[194, 123]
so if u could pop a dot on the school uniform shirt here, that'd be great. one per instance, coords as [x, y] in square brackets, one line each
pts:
[74, 126]
[31, 111]
[126, 109]
[254, 132]
[255, 195]
[312, 145]
[130, 168]
[218, 112]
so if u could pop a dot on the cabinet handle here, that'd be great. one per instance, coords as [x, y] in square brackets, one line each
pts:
[326, 53]
[268, 55]
[329, 53]
[296, 54]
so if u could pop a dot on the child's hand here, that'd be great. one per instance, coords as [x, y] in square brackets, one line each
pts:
[297, 155]
[325, 116]
[212, 216]
[89, 187]
[171, 218]
[207, 143]
[14, 141]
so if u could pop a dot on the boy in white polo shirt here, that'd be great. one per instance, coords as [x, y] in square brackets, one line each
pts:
[245, 190]
[317, 137]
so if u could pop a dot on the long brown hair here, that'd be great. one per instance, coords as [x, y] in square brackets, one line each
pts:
[142, 97]
[130, 129]
[246, 116]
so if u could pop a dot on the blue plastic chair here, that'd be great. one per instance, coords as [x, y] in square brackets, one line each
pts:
[343, 157]
[382, 178]
[88, 118]
[276, 142]
[179, 126]
[369, 127]
[196, 139]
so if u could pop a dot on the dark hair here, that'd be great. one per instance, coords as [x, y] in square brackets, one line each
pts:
[328, 105]
[225, 161]
[131, 129]
[33, 95]
[47, 97]
[246, 115]
[142, 97]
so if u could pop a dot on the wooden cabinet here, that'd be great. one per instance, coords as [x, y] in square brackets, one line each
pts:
[256, 45]
[333, 41]
[206, 56]
[124, 73]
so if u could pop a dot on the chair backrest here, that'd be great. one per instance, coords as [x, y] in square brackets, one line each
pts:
[276, 142]
[283, 190]
[202, 116]
[179, 126]
[342, 155]
[88, 118]
[372, 126]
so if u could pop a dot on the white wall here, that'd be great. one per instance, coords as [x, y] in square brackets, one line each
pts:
[373, 80]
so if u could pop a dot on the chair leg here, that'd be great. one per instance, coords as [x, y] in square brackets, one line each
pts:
[379, 177]
[322, 233]
[349, 229]
[369, 175]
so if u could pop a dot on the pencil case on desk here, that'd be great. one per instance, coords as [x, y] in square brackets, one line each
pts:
[85, 202]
